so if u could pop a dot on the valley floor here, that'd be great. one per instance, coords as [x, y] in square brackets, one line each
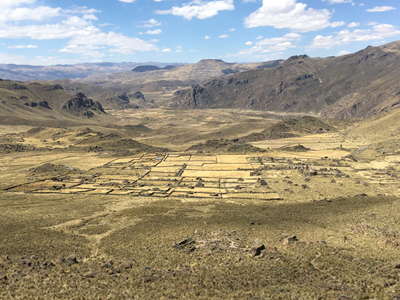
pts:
[320, 220]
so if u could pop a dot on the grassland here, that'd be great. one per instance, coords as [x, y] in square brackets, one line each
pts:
[77, 222]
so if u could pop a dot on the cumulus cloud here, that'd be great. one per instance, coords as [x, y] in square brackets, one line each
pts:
[24, 13]
[199, 9]
[22, 47]
[166, 50]
[288, 14]
[381, 8]
[207, 37]
[80, 10]
[353, 24]
[378, 32]
[155, 31]
[223, 36]
[83, 50]
[10, 3]
[127, 1]
[81, 33]
[343, 53]
[287, 37]
[337, 1]
[150, 23]
[270, 45]
[337, 24]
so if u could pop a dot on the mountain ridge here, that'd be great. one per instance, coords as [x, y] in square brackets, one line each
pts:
[334, 87]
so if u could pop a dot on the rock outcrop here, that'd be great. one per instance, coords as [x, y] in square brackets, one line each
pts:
[80, 103]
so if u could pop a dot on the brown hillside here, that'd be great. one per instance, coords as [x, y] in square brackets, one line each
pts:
[46, 105]
[356, 85]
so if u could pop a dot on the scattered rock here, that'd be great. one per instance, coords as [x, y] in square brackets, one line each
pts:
[125, 265]
[108, 265]
[361, 195]
[257, 247]
[71, 259]
[183, 243]
[288, 239]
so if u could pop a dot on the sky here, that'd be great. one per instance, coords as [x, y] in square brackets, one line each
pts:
[48, 32]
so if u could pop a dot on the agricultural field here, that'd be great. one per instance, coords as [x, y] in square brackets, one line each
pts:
[157, 211]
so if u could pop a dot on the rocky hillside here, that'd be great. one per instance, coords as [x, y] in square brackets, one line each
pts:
[153, 79]
[356, 85]
[45, 105]
[109, 99]
[28, 72]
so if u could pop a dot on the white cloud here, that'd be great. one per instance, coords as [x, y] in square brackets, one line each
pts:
[82, 34]
[84, 50]
[178, 49]
[259, 37]
[166, 50]
[249, 43]
[337, 1]
[154, 41]
[353, 24]
[232, 29]
[381, 8]
[119, 42]
[288, 14]
[207, 37]
[344, 37]
[199, 9]
[10, 3]
[127, 1]
[343, 53]
[287, 37]
[280, 47]
[260, 56]
[22, 47]
[150, 23]
[361, 4]
[90, 17]
[223, 36]
[105, 24]
[192, 50]
[337, 24]
[24, 13]
[271, 45]
[155, 31]
[80, 10]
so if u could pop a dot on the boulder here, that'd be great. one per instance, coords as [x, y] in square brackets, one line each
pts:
[257, 247]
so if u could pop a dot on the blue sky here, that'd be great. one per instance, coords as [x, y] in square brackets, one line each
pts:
[45, 32]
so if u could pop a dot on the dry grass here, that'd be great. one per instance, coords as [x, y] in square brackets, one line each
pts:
[341, 203]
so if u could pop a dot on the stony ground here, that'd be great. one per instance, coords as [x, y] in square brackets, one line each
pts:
[195, 249]
[334, 233]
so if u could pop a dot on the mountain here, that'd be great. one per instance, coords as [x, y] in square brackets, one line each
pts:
[169, 79]
[356, 85]
[27, 72]
[46, 105]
